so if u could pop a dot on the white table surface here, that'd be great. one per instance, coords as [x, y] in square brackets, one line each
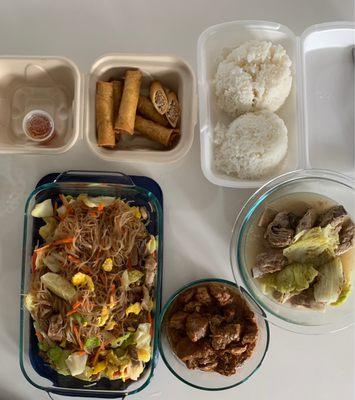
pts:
[198, 215]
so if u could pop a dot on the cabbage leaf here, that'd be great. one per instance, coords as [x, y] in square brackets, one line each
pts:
[344, 295]
[76, 362]
[142, 339]
[330, 282]
[292, 279]
[131, 276]
[58, 356]
[43, 209]
[316, 246]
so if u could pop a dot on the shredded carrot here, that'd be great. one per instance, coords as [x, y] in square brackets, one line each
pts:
[74, 308]
[64, 200]
[85, 268]
[100, 207]
[93, 214]
[74, 259]
[129, 263]
[96, 357]
[105, 279]
[71, 312]
[77, 336]
[34, 258]
[68, 240]
[77, 304]
[39, 335]
[150, 320]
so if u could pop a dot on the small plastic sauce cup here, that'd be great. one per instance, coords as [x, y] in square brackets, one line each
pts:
[38, 126]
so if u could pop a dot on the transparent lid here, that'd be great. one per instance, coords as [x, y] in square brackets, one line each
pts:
[328, 62]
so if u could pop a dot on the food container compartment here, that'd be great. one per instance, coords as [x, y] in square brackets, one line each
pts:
[172, 72]
[212, 381]
[52, 84]
[328, 93]
[211, 44]
[319, 113]
[337, 188]
[144, 192]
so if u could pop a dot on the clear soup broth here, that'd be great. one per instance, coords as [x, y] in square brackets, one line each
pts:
[297, 203]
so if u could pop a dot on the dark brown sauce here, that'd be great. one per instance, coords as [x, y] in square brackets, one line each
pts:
[210, 327]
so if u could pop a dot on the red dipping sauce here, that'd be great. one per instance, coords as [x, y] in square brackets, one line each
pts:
[38, 126]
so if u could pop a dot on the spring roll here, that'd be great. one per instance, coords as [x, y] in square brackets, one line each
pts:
[173, 112]
[158, 97]
[129, 101]
[156, 132]
[104, 114]
[117, 95]
[147, 110]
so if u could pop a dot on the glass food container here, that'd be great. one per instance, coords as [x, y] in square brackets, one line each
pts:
[133, 189]
[212, 381]
[336, 188]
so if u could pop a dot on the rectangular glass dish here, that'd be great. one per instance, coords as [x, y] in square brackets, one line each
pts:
[139, 191]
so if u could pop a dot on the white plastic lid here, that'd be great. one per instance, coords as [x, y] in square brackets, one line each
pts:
[328, 66]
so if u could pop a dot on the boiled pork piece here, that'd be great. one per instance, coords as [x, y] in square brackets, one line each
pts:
[306, 299]
[307, 221]
[266, 217]
[346, 237]
[334, 215]
[279, 233]
[268, 262]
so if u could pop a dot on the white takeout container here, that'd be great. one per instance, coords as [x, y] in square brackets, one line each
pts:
[55, 85]
[175, 74]
[52, 84]
[319, 113]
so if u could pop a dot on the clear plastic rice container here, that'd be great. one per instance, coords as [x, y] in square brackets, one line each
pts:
[319, 112]
[35, 370]
[56, 86]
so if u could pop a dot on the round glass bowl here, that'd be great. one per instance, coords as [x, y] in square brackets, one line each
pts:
[212, 380]
[336, 187]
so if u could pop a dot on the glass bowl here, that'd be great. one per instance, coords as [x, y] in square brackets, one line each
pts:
[334, 186]
[212, 380]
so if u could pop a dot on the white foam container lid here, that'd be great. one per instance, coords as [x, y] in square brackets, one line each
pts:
[55, 85]
[319, 113]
